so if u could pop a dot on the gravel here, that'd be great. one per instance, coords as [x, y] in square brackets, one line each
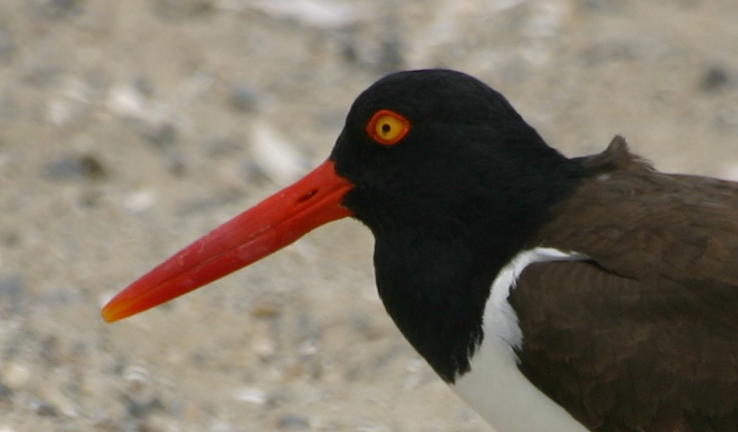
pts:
[128, 129]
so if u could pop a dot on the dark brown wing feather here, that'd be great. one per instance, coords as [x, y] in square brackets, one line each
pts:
[644, 337]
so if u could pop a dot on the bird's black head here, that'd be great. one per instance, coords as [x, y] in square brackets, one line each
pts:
[464, 146]
[452, 182]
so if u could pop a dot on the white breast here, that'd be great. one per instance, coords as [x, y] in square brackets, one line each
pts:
[494, 386]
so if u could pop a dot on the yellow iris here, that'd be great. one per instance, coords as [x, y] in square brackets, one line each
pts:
[388, 127]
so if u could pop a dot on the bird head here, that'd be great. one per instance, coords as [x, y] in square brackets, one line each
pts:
[420, 150]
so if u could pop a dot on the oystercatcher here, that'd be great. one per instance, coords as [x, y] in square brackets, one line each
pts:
[552, 294]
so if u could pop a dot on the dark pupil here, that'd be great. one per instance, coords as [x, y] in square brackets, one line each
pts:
[386, 128]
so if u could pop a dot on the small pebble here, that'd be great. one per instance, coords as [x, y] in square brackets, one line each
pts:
[292, 422]
[714, 78]
[161, 134]
[140, 398]
[43, 409]
[275, 155]
[136, 377]
[265, 311]
[244, 98]
[263, 346]
[75, 167]
[127, 101]
[140, 201]
[251, 395]
[322, 14]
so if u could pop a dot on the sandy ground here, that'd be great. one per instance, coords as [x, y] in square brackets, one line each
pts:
[128, 129]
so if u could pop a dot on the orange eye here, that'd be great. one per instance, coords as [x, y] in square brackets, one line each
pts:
[387, 127]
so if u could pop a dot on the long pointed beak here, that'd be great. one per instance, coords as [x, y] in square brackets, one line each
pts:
[269, 226]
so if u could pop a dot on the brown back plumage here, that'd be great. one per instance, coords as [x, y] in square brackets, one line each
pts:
[644, 336]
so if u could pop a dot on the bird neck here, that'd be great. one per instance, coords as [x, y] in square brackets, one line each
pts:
[434, 274]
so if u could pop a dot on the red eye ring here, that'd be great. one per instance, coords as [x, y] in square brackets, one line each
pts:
[387, 127]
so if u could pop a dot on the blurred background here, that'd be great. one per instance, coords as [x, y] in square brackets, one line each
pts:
[128, 129]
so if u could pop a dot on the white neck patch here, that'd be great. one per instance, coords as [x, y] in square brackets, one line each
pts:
[494, 386]
[499, 315]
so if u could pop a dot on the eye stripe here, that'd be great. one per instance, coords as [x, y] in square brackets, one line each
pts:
[387, 127]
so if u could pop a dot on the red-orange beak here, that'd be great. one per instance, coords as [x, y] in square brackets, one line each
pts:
[269, 226]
